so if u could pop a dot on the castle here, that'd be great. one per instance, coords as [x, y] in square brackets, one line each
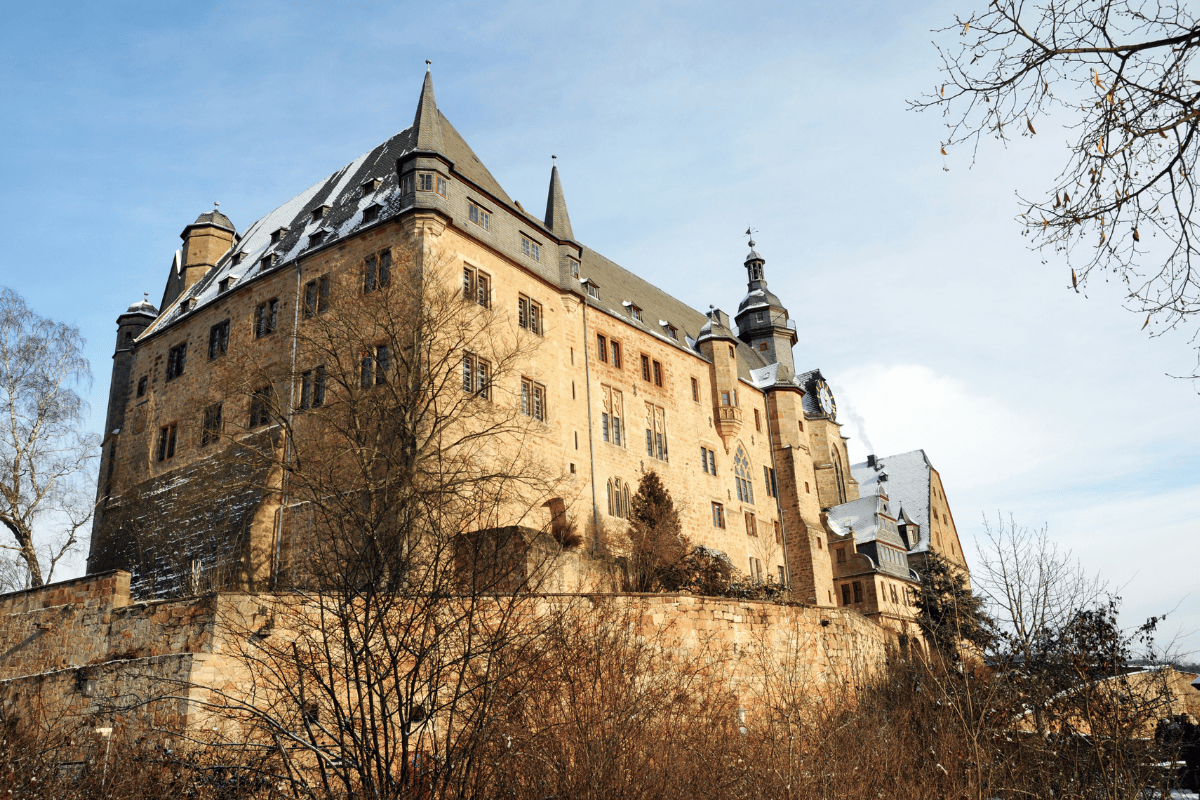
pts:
[626, 379]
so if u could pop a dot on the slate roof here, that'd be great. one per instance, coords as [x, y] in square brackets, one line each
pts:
[864, 516]
[906, 485]
[342, 192]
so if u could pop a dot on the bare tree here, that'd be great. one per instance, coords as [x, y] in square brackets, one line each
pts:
[45, 457]
[415, 522]
[1118, 74]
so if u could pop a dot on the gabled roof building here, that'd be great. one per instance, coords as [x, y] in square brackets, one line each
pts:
[750, 448]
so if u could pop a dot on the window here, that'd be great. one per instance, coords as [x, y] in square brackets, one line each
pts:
[441, 185]
[593, 290]
[406, 184]
[573, 266]
[616, 353]
[672, 331]
[895, 599]
[708, 461]
[778, 532]
[378, 271]
[656, 432]
[645, 368]
[718, 514]
[755, 570]
[760, 316]
[477, 287]
[618, 498]
[268, 261]
[820, 544]
[845, 594]
[530, 248]
[211, 430]
[316, 296]
[141, 387]
[166, 442]
[696, 390]
[533, 399]
[806, 489]
[260, 406]
[312, 388]
[316, 238]
[602, 347]
[635, 312]
[477, 215]
[762, 346]
[769, 479]
[658, 374]
[529, 314]
[176, 360]
[223, 286]
[265, 317]
[611, 413]
[218, 340]
[320, 211]
[731, 353]
[841, 555]
[751, 526]
[782, 580]
[757, 421]
[374, 366]
[370, 213]
[425, 182]
[277, 235]
[801, 424]
[741, 471]
[858, 596]
[477, 376]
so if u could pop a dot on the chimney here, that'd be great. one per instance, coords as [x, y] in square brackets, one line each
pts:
[871, 460]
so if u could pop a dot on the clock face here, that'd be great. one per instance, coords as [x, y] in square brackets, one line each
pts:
[825, 398]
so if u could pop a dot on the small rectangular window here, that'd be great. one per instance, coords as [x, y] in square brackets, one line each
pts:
[778, 533]
[672, 331]
[845, 594]
[782, 577]
[211, 431]
[646, 368]
[265, 318]
[718, 515]
[530, 248]
[378, 271]
[658, 374]
[312, 388]
[260, 406]
[602, 347]
[529, 314]
[477, 287]
[573, 266]
[712, 462]
[218, 340]
[406, 184]
[696, 390]
[223, 286]
[477, 215]
[858, 595]
[593, 291]
[141, 387]
[704, 459]
[635, 312]
[316, 296]
[841, 555]
[425, 182]
[477, 376]
[371, 213]
[533, 399]
[176, 360]
[441, 185]
[374, 365]
[751, 525]
[166, 442]
[757, 421]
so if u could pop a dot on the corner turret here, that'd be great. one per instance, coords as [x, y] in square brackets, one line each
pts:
[557, 219]
[204, 242]
[763, 321]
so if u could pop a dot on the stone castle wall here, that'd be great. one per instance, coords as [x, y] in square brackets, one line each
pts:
[81, 650]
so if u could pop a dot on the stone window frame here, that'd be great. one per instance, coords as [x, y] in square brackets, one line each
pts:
[530, 315]
[266, 317]
[377, 271]
[218, 339]
[142, 385]
[316, 296]
[477, 375]
[167, 442]
[212, 425]
[533, 399]
[718, 515]
[374, 364]
[176, 361]
[477, 286]
[312, 388]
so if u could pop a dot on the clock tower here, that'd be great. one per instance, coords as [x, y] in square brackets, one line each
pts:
[763, 322]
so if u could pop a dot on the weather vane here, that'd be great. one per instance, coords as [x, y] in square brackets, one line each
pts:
[750, 233]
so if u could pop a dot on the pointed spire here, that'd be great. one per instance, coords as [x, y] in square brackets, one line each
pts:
[557, 219]
[427, 123]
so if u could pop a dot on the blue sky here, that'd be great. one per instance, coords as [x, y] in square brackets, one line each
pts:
[675, 125]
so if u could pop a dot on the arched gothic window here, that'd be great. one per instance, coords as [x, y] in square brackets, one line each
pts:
[741, 472]
[837, 471]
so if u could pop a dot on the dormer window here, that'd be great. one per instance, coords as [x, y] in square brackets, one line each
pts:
[591, 288]
[634, 311]
[237, 257]
[672, 331]
[185, 306]
[317, 237]
[371, 184]
[531, 248]
[320, 211]
[371, 213]
[223, 286]
[268, 260]
[278, 234]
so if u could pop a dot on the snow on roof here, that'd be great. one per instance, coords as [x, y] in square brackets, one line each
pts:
[906, 485]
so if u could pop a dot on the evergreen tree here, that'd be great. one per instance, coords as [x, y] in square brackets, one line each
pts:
[949, 613]
[657, 546]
